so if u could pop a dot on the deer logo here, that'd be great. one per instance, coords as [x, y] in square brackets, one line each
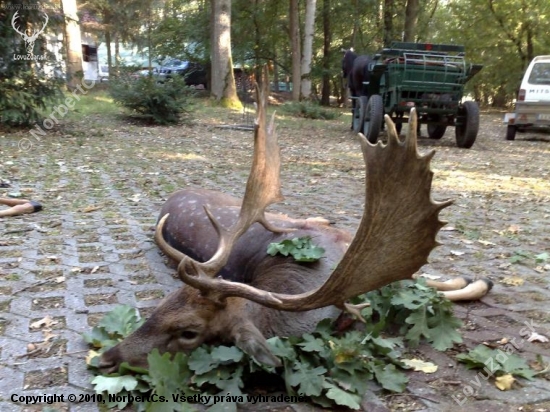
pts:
[29, 39]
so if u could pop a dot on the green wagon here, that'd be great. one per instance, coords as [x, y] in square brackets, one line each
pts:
[429, 77]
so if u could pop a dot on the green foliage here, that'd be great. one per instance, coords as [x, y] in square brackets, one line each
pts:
[124, 19]
[420, 313]
[187, 23]
[114, 327]
[519, 256]
[160, 103]
[309, 110]
[542, 257]
[503, 42]
[24, 99]
[300, 248]
[327, 368]
[496, 362]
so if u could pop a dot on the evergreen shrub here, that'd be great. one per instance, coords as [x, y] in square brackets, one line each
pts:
[160, 103]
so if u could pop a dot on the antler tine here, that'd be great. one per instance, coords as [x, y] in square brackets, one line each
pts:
[398, 183]
[262, 189]
[45, 22]
[36, 32]
[15, 16]
[264, 184]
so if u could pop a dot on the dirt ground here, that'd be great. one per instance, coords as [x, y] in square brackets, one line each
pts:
[103, 182]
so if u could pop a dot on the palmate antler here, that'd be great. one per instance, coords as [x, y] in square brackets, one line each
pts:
[395, 237]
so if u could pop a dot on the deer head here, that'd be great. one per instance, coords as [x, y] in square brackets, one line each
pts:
[396, 234]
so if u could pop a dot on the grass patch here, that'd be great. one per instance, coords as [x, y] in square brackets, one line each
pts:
[94, 103]
[309, 110]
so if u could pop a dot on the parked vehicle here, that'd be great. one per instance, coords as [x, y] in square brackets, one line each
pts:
[429, 77]
[194, 73]
[143, 72]
[532, 108]
[103, 73]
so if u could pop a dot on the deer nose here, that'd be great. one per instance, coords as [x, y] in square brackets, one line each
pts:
[108, 364]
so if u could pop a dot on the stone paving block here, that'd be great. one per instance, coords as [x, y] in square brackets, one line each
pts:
[108, 256]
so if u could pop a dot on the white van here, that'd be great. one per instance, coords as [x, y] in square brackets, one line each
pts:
[533, 101]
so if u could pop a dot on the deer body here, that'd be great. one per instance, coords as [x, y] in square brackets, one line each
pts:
[235, 292]
[189, 230]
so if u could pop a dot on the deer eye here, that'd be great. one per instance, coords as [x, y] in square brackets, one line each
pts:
[188, 334]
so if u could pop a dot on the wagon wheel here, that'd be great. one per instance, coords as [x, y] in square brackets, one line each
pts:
[511, 132]
[436, 131]
[397, 120]
[359, 113]
[466, 130]
[374, 115]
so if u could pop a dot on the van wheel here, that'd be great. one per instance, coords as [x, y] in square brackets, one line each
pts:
[511, 132]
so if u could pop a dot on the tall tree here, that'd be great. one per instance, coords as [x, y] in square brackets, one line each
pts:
[327, 40]
[222, 87]
[388, 22]
[412, 9]
[307, 55]
[73, 43]
[295, 48]
[121, 20]
[521, 36]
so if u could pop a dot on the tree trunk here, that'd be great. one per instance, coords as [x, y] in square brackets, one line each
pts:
[73, 44]
[307, 55]
[149, 44]
[223, 88]
[295, 45]
[275, 72]
[388, 23]
[529, 40]
[411, 20]
[107, 24]
[356, 31]
[327, 38]
[500, 99]
[117, 56]
[109, 55]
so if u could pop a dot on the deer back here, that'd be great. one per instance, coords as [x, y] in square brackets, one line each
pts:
[189, 230]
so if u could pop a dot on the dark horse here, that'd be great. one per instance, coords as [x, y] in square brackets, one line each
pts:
[355, 70]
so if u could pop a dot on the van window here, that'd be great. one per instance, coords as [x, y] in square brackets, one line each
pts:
[540, 74]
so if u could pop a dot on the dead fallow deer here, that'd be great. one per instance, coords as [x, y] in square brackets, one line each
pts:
[236, 293]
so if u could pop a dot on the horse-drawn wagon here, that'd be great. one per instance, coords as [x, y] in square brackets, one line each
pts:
[429, 77]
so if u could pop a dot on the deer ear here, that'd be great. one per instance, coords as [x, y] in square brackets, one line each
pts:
[250, 340]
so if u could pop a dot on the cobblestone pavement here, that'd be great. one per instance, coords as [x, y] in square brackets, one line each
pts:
[91, 248]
